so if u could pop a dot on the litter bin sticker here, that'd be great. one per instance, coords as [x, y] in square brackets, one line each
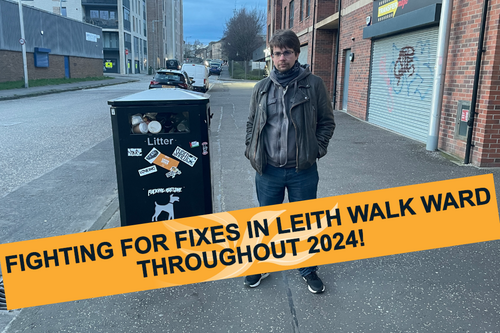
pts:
[147, 171]
[134, 152]
[168, 208]
[155, 157]
[173, 172]
[184, 156]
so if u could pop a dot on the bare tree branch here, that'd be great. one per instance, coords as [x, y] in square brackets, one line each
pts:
[242, 34]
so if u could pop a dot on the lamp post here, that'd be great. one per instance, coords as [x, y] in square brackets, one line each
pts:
[23, 44]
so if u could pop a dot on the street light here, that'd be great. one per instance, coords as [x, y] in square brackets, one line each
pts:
[23, 44]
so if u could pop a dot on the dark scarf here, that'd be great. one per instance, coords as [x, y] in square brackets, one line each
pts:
[289, 75]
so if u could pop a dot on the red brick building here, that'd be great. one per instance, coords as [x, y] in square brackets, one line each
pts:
[378, 60]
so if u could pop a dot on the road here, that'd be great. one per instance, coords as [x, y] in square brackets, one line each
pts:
[67, 181]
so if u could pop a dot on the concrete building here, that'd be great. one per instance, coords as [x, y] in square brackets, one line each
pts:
[66, 8]
[378, 60]
[165, 27]
[216, 50]
[56, 46]
[124, 31]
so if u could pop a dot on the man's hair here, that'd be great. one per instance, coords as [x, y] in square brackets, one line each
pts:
[285, 39]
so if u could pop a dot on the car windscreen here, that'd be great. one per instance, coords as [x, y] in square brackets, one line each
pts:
[169, 77]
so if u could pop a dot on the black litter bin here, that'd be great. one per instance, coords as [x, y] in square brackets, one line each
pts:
[162, 154]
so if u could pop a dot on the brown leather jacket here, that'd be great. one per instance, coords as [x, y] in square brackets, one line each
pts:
[311, 115]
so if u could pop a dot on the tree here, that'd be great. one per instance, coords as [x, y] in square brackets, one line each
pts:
[242, 34]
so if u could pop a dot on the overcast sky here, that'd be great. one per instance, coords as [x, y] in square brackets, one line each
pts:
[205, 19]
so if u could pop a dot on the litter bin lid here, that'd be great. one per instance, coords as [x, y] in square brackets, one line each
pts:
[161, 96]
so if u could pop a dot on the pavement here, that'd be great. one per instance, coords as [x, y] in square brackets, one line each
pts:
[454, 289]
[53, 89]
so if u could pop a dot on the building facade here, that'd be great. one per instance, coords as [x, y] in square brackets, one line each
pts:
[378, 59]
[124, 31]
[56, 46]
[66, 8]
[165, 26]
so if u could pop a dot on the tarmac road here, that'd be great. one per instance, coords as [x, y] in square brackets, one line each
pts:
[453, 289]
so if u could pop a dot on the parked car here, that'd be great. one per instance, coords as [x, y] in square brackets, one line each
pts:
[215, 69]
[190, 81]
[216, 62]
[198, 73]
[173, 64]
[168, 78]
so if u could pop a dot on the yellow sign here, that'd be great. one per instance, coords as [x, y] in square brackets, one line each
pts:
[389, 8]
[250, 241]
[108, 64]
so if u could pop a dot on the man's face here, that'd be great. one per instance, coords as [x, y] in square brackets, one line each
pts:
[284, 58]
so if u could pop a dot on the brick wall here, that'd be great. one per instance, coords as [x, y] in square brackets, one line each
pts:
[85, 67]
[351, 26]
[324, 57]
[460, 68]
[462, 53]
[12, 66]
[79, 67]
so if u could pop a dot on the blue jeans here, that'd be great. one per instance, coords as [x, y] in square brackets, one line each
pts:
[301, 185]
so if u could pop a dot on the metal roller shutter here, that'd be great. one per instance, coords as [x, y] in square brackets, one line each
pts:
[402, 76]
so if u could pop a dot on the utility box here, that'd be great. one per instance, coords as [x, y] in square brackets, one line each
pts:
[462, 119]
[162, 155]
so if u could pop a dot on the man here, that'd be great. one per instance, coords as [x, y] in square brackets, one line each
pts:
[289, 127]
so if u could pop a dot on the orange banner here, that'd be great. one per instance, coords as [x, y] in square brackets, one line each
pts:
[255, 240]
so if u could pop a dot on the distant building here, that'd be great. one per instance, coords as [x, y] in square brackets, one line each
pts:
[66, 8]
[216, 50]
[259, 53]
[56, 46]
[165, 27]
[124, 30]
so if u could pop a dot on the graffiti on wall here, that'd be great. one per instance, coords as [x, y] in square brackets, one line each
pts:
[408, 72]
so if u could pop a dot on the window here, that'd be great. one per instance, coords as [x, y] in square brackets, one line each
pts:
[126, 19]
[64, 12]
[292, 10]
[94, 14]
[301, 10]
[104, 14]
[308, 8]
[284, 19]
[110, 40]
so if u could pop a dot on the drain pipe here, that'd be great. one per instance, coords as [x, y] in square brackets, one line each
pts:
[472, 112]
[312, 38]
[439, 75]
[336, 62]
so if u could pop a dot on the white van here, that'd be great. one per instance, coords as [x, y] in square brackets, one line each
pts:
[199, 74]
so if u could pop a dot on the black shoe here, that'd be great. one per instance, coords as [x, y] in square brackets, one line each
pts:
[253, 281]
[314, 283]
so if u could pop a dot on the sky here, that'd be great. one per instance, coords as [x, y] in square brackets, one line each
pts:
[205, 19]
